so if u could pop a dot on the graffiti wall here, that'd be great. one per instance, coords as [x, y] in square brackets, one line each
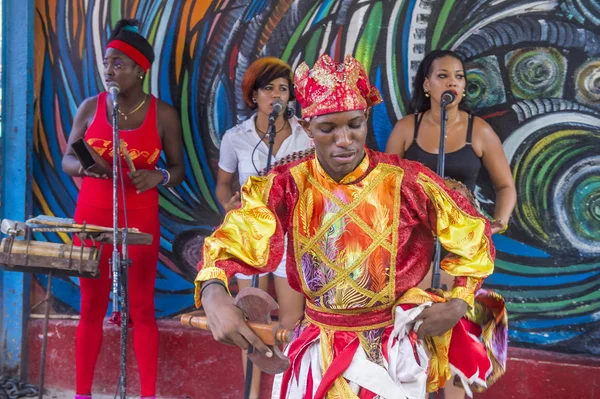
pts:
[534, 75]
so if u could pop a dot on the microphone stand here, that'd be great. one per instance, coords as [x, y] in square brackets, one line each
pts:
[249, 365]
[441, 165]
[119, 265]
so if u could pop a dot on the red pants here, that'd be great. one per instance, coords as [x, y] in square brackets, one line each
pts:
[95, 297]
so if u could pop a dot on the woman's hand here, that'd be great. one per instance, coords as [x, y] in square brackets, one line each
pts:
[100, 170]
[89, 173]
[233, 203]
[145, 179]
[498, 226]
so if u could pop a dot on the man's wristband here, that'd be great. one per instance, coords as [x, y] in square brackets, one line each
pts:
[208, 283]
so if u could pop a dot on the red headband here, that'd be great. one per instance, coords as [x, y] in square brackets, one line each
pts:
[130, 52]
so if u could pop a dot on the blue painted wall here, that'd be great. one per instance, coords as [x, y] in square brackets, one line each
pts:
[17, 155]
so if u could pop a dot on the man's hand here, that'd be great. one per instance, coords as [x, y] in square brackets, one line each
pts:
[233, 203]
[227, 322]
[441, 317]
[145, 179]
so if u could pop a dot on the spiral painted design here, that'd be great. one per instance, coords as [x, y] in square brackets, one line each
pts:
[483, 89]
[522, 59]
[579, 216]
[555, 161]
[536, 73]
[560, 208]
[587, 83]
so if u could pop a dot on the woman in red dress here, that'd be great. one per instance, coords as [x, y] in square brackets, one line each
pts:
[148, 127]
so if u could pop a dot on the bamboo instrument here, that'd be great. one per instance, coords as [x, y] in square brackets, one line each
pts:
[51, 249]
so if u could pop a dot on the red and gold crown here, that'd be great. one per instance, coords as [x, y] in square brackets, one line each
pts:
[334, 87]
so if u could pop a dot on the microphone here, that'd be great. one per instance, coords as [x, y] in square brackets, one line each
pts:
[278, 107]
[447, 97]
[113, 90]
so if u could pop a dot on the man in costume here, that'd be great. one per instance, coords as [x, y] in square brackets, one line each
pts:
[360, 228]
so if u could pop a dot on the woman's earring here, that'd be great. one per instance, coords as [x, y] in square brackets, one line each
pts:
[254, 100]
[289, 111]
[142, 77]
[464, 93]
[426, 93]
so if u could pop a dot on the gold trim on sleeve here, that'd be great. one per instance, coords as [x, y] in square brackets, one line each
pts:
[208, 273]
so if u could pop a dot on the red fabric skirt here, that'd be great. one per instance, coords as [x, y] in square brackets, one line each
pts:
[477, 351]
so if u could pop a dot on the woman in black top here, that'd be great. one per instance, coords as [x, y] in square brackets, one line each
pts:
[462, 165]
[470, 143]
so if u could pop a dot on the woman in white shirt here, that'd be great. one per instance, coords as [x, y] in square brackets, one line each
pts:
[244, 149]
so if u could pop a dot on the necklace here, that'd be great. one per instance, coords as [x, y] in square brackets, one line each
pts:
[447, 126]
[136, 109]
[265, 133]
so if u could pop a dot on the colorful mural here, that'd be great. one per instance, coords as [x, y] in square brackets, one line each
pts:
[534, 73]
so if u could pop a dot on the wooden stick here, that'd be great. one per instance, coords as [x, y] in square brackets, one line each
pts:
[90, 228]
[127, 157]
[270, 334]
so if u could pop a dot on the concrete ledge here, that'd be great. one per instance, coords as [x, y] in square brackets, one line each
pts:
[547, 375]
[192, 365]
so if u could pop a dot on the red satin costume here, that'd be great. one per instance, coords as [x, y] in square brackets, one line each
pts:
[357, 248]
[94, 206]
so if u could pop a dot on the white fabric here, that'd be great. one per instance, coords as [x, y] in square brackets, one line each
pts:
[297, 386]
[402, 366]
[238, 143]
[464, 381]
[364, 373]
[404, 378]
[235, 154]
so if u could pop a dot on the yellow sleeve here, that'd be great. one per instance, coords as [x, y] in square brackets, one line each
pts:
[465, 234]
[247, 242]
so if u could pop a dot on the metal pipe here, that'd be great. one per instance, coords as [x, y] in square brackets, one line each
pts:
[45, 339]
[55, 316]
